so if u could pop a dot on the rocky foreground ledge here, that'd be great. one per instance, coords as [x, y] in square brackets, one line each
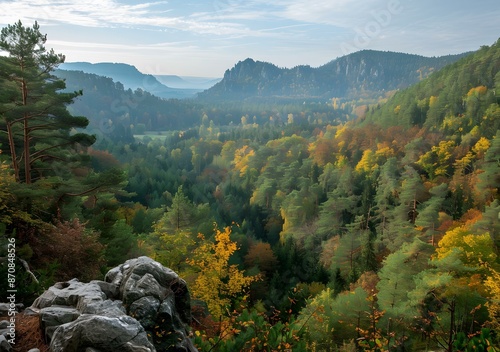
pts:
[140, 306]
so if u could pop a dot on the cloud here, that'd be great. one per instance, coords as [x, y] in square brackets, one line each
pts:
[340, 13]
[111, 13]
[217, 33]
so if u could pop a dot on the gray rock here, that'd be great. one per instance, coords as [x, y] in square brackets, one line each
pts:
[167, 310]
[52, 317]
[31, 311]
[70, 293]
[102, 333]
[4, 309]
[110, 290]
[136, 287]
[137, 268]
[145, 310]
[108, 307]
[140, 305]
[4, 344]
[135, 281]
[115, 275]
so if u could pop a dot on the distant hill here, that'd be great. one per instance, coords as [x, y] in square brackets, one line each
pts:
[130, 77]
[366, 73]
[118, 113]
[187, 82]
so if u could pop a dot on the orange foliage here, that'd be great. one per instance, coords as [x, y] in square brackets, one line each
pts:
[477, 90]
[323, 152]
[471, 216]
[29, 334]
[103, 159]
[76, 249]
[328, 251]
[367, 281]
[261, 255]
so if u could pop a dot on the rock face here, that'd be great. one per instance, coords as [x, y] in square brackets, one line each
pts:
[351, 76]
[140, 306]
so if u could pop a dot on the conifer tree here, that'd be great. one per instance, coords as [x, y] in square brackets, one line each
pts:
[32, 108]
[489, 180]
[428, 214]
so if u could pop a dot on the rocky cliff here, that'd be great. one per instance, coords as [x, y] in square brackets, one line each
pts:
[361, 74]
[140, 306]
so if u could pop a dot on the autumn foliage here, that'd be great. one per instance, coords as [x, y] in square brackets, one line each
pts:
[218, 282]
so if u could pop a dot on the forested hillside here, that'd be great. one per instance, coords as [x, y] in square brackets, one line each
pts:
[123, 112]
[364, 74]
[297, 227]
[116, 113]
[131, 78]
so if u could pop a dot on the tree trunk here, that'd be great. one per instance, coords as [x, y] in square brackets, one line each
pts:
[15, 164]
[27, 159]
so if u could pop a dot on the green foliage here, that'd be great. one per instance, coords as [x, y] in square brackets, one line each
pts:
[120, 242]
[482, 342]
[35, 108]
[453, 106]
[252, 331]
[329, 321]
[355, 206]
[396, 281]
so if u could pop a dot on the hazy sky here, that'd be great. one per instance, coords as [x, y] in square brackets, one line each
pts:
[206, 37]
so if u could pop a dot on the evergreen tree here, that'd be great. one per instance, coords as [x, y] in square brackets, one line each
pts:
[396, 279]
[489, 180]
[339, 207]
[428, 213]
[401, 220]
[386, 194]
[32, 109]
[47, 153]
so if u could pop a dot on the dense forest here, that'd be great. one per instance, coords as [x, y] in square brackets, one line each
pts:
[345, 225]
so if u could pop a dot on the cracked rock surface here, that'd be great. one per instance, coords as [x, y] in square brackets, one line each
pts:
[140, 306]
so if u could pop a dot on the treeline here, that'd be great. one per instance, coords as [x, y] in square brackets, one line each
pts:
[293, 232]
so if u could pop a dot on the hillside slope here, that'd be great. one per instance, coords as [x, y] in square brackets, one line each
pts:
[366, 73]
[456, 99]
[130, 77]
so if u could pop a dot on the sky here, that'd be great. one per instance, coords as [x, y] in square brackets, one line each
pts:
[206, 37]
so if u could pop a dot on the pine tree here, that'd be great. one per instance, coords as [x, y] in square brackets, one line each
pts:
[386, 194]
[489, 180]
[428, 213]
[396, 279]
[33, 110]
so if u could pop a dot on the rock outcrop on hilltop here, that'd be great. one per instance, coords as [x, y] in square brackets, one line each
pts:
[140, 306]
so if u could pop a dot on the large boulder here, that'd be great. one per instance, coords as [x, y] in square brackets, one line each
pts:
[105, 334]
[140, 306]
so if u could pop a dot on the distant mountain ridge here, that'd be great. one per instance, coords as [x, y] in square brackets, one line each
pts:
[187, 82]
[131, 78]
[365, 73]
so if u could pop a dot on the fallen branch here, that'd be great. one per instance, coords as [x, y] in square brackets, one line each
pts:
[27, 268]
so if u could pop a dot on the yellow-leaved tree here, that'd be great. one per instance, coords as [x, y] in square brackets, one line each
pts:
[218, 282]
[493, 285]
[472, 249]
